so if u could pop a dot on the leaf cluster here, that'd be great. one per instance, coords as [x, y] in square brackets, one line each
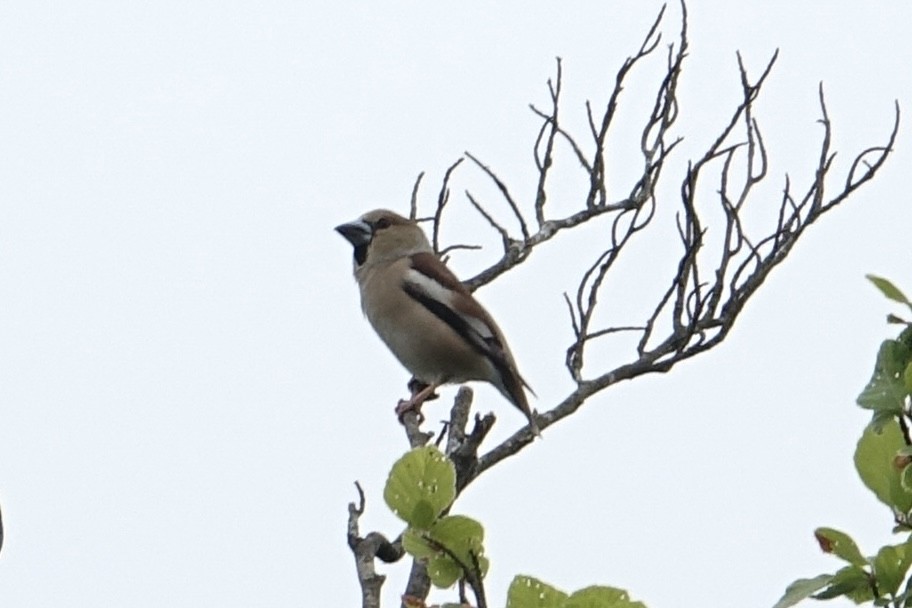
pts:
[528, 592]
[420, 490]
[883, 459]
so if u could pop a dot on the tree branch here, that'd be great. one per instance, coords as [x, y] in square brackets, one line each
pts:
[709, 284]
[709, 287]
[365, 550]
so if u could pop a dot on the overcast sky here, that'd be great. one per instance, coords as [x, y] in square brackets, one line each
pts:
[188, 388]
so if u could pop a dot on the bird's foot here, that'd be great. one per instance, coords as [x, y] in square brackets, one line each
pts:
[416, 386]
[413, 403]
[409, 405]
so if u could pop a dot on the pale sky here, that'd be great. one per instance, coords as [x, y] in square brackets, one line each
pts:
[188, 387]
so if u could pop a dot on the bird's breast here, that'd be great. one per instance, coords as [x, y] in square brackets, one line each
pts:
[424, 343]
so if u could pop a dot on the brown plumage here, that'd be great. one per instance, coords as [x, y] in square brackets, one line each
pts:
[424, 314]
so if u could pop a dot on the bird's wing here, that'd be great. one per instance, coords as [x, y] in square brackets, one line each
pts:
[435, 287]
[429, 282]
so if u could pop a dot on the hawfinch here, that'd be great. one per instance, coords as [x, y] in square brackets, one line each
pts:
[430, 321]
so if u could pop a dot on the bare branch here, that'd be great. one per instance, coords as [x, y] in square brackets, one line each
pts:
[419, 584]
[708, 289]
[374, 545]
[577, 150]
[504, 235]
[442, 200]
[702, 323]
[546, 134]
[506, 194]
[459, 418]
[450, 248]
[413, 203]
[713, 278]
[411, 422]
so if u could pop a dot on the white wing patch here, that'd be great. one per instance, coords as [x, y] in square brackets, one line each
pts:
[444, 296]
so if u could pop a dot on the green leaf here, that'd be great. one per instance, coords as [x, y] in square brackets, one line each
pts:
[601, 597]
[889, 289]
[451, 542]
[461, 535]
[883, 394]
[483, 565]
[886, 391]
[414, 543]
[801, 589]
[907, 377]
[852, 582]
[890, 566]
[874, 458]
[529, 592]
[880, 420]
[421, 486]
[457, 528]
[905, 476]
[443, 571]
[841, 545]
[893, 357]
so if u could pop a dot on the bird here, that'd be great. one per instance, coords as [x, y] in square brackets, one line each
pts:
[428, 319]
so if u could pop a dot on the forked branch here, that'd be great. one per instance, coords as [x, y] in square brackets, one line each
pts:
[710, 283]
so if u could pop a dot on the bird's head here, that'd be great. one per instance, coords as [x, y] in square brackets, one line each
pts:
[382, 235]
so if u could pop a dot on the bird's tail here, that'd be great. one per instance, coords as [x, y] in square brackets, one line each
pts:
[513, 390]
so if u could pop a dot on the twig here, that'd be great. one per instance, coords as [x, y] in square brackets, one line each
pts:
[505, 192]
[413, 204]
[374, 545]
[442, 200]
[713, 278]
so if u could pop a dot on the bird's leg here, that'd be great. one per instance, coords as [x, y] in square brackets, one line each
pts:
[415, 386]
[413, 403]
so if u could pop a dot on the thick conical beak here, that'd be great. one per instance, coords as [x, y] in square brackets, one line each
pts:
[358, 233]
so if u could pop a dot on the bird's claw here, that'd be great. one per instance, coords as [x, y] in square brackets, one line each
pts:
[409, 405]
[415, 387]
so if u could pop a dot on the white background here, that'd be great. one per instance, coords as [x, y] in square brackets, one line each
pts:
[187, 386]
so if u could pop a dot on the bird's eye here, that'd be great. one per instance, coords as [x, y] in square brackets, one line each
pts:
[382, 223]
